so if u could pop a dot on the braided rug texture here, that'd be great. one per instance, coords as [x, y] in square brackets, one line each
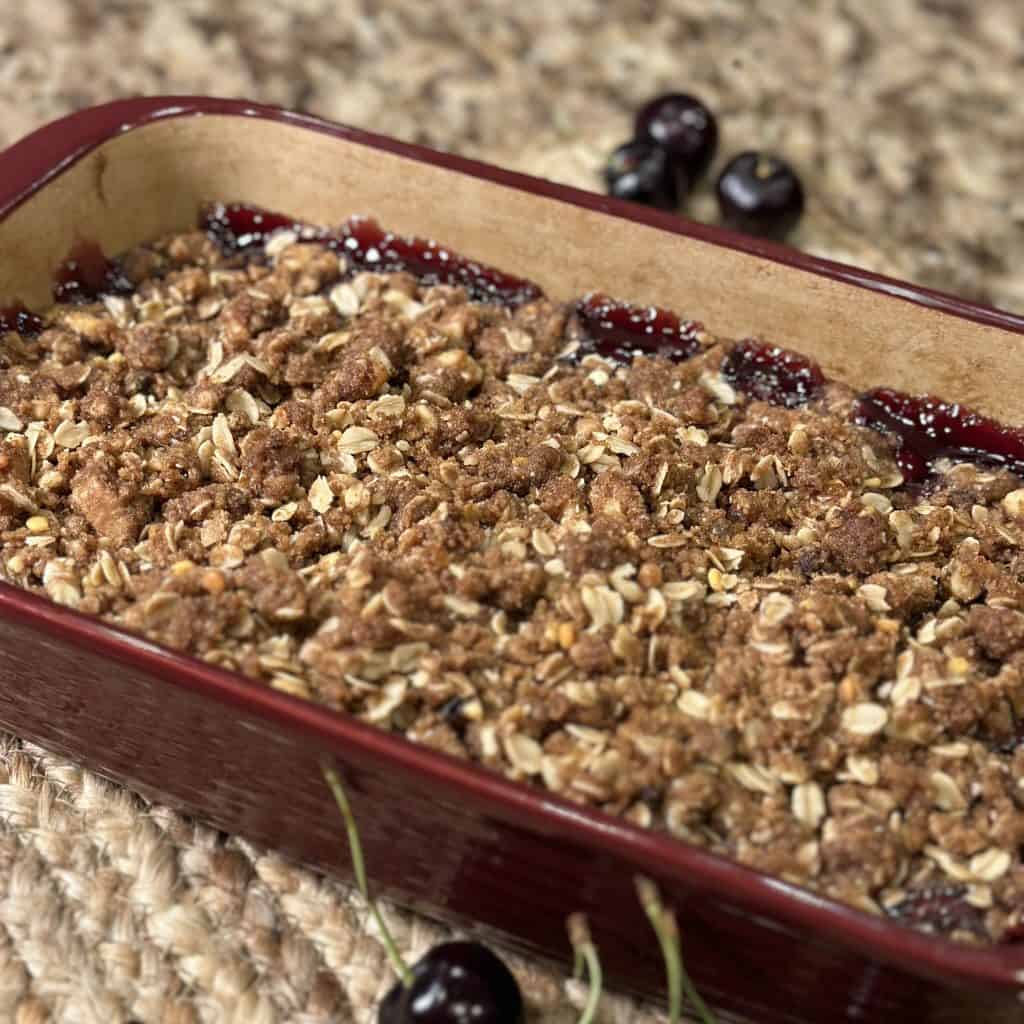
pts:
[904, 121]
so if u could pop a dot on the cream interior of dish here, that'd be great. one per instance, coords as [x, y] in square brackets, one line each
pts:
[149, 181]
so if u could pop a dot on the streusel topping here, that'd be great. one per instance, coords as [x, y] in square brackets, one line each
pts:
[630, 584]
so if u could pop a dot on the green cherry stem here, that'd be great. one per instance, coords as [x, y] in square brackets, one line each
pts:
[585, 954]
[359, 870]
[664, 923]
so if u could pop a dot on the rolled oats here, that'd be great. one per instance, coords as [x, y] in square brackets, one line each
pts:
[357, 440]
[808, 804]
[627, 584]
[865, 719]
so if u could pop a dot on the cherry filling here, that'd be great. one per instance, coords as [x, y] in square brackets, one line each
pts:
[928, 429]
[772, 374]
[620, 332]
[367, 246]
[18, 319]
[944, 908]
[86, 274]
[237, 226]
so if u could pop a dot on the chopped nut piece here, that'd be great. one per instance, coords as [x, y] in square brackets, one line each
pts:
[212, 582]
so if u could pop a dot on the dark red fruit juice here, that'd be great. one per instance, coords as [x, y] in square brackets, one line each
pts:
[928, 428]
[619, 331]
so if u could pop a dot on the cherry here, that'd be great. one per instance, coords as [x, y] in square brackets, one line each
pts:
[18, 319]
[465, 983]
[928, 428]
[760, 194]
[772, 374]
[642, 172]
[682, 126]
[455, 983]
[86, 274]
[619, 331]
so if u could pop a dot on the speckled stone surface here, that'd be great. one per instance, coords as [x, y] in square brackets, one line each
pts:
[905, 120]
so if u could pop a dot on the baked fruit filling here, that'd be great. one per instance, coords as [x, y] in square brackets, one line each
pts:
[592, 547]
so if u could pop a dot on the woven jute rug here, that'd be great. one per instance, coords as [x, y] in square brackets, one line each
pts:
[904, 121]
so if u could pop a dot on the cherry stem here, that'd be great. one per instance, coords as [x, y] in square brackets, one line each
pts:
[664, 922]
[585, 954]
[359, 870]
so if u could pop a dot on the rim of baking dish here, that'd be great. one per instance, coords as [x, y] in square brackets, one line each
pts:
[32, 162]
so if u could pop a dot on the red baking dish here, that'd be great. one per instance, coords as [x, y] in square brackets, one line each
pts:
[441, 835]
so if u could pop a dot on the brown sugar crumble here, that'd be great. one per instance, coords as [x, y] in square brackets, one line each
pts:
[632, 585]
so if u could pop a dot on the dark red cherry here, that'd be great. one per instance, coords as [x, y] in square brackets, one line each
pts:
[760, 194]
[86, 274]
[939, 908]
[455, 983]
[369, 247]
[18, 319]
[927, 429]
[772, 374]
[682, 126]
[642, 172]
[620, 332]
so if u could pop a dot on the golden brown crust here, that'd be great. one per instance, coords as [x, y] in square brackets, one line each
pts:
[630, 585]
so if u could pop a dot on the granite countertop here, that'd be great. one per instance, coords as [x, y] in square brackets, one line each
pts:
[905, 122]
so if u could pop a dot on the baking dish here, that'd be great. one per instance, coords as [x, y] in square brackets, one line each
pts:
[442, 835]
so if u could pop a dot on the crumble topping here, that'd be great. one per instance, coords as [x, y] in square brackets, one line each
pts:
[632, 585]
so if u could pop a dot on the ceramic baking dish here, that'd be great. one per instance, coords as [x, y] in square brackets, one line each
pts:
[441, 835]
